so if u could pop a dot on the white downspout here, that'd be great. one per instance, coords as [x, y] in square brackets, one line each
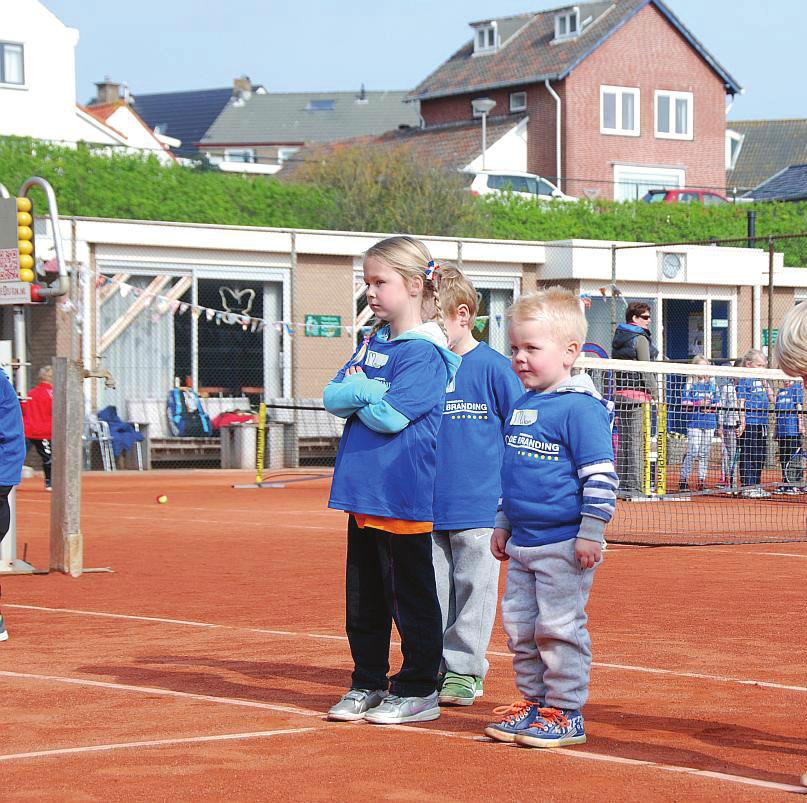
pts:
[557, 132]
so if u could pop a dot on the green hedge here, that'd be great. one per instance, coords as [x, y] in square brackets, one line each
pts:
[93, 183]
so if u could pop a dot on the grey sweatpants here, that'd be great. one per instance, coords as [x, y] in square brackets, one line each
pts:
[544, 616]
[467, 578]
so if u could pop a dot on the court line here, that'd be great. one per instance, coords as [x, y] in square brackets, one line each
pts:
[634, 762]
[406, 728]
[208, 698]
[100, 748]
[327, 637]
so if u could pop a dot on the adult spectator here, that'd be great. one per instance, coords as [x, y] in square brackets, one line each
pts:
[632, 341]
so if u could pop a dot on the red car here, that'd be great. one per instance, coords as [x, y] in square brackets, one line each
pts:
[682, 196]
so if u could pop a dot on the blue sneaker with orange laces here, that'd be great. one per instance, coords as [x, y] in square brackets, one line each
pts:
[516, 719]
[553, 727]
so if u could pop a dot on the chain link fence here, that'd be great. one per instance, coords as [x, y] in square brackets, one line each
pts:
[196, 339]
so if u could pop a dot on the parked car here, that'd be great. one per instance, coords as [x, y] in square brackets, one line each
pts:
[683, 196]
[527, 185]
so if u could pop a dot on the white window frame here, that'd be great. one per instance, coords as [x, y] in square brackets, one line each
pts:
[12, 84]
[674, 98]
[516, 107]
[619, 91]
[566, 17]
[485, 32]
[732, 137]
[228, 152]
[676, 173]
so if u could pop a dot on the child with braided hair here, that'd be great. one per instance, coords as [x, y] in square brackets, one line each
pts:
[392, 393]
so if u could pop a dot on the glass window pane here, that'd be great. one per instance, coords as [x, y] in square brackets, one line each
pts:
[663, 122]
[545, 188]
[628, 101]
[573, 23]
[531, 185]
[682, 116]
[562, 26]
[480, 39]
[12, 64]
[609, 111]
[491, 37]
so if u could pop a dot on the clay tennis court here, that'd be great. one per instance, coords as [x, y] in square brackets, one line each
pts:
[202, 667]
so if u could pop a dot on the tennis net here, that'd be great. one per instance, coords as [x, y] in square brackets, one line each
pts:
[705, 454]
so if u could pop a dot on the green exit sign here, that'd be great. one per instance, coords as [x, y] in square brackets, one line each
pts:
[766, 338]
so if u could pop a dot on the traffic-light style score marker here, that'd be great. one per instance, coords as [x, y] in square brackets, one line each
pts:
[25, 239]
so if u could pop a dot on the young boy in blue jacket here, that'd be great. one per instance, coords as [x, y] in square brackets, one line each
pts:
[558, 493]
[12, 457]
[470, 448]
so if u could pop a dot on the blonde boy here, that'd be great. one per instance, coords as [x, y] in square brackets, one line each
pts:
[558, 493]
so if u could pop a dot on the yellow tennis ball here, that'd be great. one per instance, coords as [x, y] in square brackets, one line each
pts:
[804, 779]
[163, 499]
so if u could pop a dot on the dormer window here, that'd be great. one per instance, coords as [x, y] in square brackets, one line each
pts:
[487, 39]
[567, 24]
[320, 105]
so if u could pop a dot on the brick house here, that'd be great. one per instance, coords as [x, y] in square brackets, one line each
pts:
[620, 96]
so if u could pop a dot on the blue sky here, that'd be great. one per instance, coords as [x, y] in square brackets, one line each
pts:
[328, 45]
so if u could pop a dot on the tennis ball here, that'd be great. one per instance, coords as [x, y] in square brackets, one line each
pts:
[804, 779]
[162, 499]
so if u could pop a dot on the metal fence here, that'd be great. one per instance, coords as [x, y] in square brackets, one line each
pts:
[239, 326]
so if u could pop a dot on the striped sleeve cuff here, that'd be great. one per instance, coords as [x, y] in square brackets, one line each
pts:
[600, 484]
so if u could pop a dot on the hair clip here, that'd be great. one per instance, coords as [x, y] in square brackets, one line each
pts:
[432, 269]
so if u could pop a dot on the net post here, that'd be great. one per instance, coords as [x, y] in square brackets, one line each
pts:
[646, 473]
[661, 450]
[261, 444]
[771, 260]
[66, 540]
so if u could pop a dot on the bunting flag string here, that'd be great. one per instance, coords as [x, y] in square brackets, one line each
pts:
[161, 305]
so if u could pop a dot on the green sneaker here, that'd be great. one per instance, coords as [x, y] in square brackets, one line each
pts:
[458, 689]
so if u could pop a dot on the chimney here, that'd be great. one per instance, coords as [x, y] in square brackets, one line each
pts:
[242, 88]
[107, 91]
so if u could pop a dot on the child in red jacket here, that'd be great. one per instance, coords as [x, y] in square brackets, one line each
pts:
[37, 416]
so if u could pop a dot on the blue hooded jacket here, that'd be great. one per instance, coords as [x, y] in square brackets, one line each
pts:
[12, 437]
[386, 463]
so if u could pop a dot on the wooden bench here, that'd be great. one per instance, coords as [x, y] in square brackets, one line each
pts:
[161, 446]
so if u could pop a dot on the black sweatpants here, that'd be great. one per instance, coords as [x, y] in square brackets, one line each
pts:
[43, 449]
[788, 446]
[5, 510]
[753, 445]
[391, 577]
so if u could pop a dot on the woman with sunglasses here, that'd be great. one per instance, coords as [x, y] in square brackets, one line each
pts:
[632, 341]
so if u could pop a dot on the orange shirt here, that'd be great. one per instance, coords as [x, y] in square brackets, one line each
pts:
[396, 526]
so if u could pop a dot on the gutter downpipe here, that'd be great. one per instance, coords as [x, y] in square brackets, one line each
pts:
[558, 129]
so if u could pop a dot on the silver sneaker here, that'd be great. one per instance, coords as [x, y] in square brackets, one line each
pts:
[355, 704]
[400, 710]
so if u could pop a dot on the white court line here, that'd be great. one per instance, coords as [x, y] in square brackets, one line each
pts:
[208, 698]
[327, 637]
[406, 728]
[634, 762]
[100, 748]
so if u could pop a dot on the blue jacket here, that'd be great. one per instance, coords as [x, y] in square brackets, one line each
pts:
[12, 437]
[470, 444]
[558, 477]
[700, 400]
[386, 463]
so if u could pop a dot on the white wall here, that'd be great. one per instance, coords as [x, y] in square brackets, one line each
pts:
[137, 135]
[507, 153]
[45, 107]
